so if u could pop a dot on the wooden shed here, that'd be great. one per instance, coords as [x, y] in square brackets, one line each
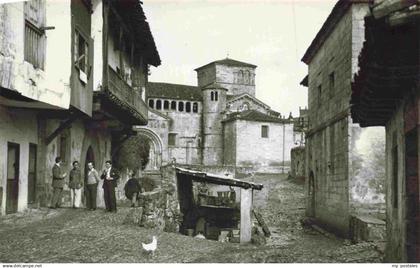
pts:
[217, 212]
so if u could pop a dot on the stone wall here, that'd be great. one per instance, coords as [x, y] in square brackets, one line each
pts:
[254, 150]
[327, 148]
[225, 76]
[212, 127]
[50, 87]
[160, 126]
[159, 208]
[187, 127]
[206, 75]
[297, 166]
[229, 142]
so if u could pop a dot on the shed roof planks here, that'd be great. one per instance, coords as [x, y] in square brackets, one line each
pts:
[217, 179]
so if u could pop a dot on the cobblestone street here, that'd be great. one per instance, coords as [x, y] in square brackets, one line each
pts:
[67, 235]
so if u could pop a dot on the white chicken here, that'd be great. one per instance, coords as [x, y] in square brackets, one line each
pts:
[150, 248]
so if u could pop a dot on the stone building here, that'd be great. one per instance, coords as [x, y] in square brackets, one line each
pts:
[386, 93]
[61, 100]
[338, 152]
[300, 126]
[217, 122]
[297, 158]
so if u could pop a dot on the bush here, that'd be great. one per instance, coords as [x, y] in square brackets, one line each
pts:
[133, 153]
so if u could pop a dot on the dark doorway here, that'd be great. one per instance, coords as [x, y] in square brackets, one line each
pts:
[90, 157]
[311, 194]
[32, 173]
[185, 196]
[412, 196]
[12, 192]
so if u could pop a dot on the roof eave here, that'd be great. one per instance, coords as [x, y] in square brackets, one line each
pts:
[336, 14]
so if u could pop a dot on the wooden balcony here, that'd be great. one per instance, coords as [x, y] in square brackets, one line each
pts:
[122, 101]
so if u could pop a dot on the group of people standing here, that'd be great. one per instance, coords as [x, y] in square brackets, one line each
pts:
[77, 183]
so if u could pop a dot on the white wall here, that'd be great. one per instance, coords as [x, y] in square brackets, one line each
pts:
[18, 127]
[96, 33]
[251, 148]
[50, 85]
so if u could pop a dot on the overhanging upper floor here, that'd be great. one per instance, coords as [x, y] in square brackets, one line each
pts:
[389, 71]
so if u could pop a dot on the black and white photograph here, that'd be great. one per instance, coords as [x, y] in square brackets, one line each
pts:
[209, 131]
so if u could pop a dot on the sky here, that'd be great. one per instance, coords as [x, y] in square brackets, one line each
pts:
[272, 34]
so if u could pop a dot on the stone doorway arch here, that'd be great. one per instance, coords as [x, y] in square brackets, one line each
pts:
[156, 147]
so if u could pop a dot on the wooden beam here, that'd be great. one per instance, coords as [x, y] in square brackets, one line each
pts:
[124, 27]
[246, 220]
[400, 18]
[64, 125]
[386, 7]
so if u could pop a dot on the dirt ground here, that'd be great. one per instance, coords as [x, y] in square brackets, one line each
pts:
[78, 236]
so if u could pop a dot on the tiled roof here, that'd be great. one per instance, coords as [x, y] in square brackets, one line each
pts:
[217, 179]
[253, 115]
[229, 62]
[230, 97]
[246, 95]
[214, 85]
[173, 91]
[134, 16]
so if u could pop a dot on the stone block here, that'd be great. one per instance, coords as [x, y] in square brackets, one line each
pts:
[365, 228]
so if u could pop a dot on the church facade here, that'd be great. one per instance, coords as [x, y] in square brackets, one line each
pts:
[220, 122]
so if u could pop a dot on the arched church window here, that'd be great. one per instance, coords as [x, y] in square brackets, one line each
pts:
[212, 96]
[173, 105]
[158, 105]
[216, 96]
[240, 77]
[246, 77]
[180, 106]
[188, 107]
[166, 105]
[152, 104]
[195, 107]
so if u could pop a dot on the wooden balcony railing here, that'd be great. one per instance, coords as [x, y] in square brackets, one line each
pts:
[126, 95]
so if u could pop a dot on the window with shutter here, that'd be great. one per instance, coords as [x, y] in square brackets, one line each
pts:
[81, 51]
[34, 47]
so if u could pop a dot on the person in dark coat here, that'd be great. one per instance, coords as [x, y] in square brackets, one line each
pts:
[57, 182]
[132, 189]
[110, 176]
[91, 187]
[75, 185]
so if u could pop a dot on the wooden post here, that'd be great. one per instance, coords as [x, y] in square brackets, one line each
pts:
[246, 224]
